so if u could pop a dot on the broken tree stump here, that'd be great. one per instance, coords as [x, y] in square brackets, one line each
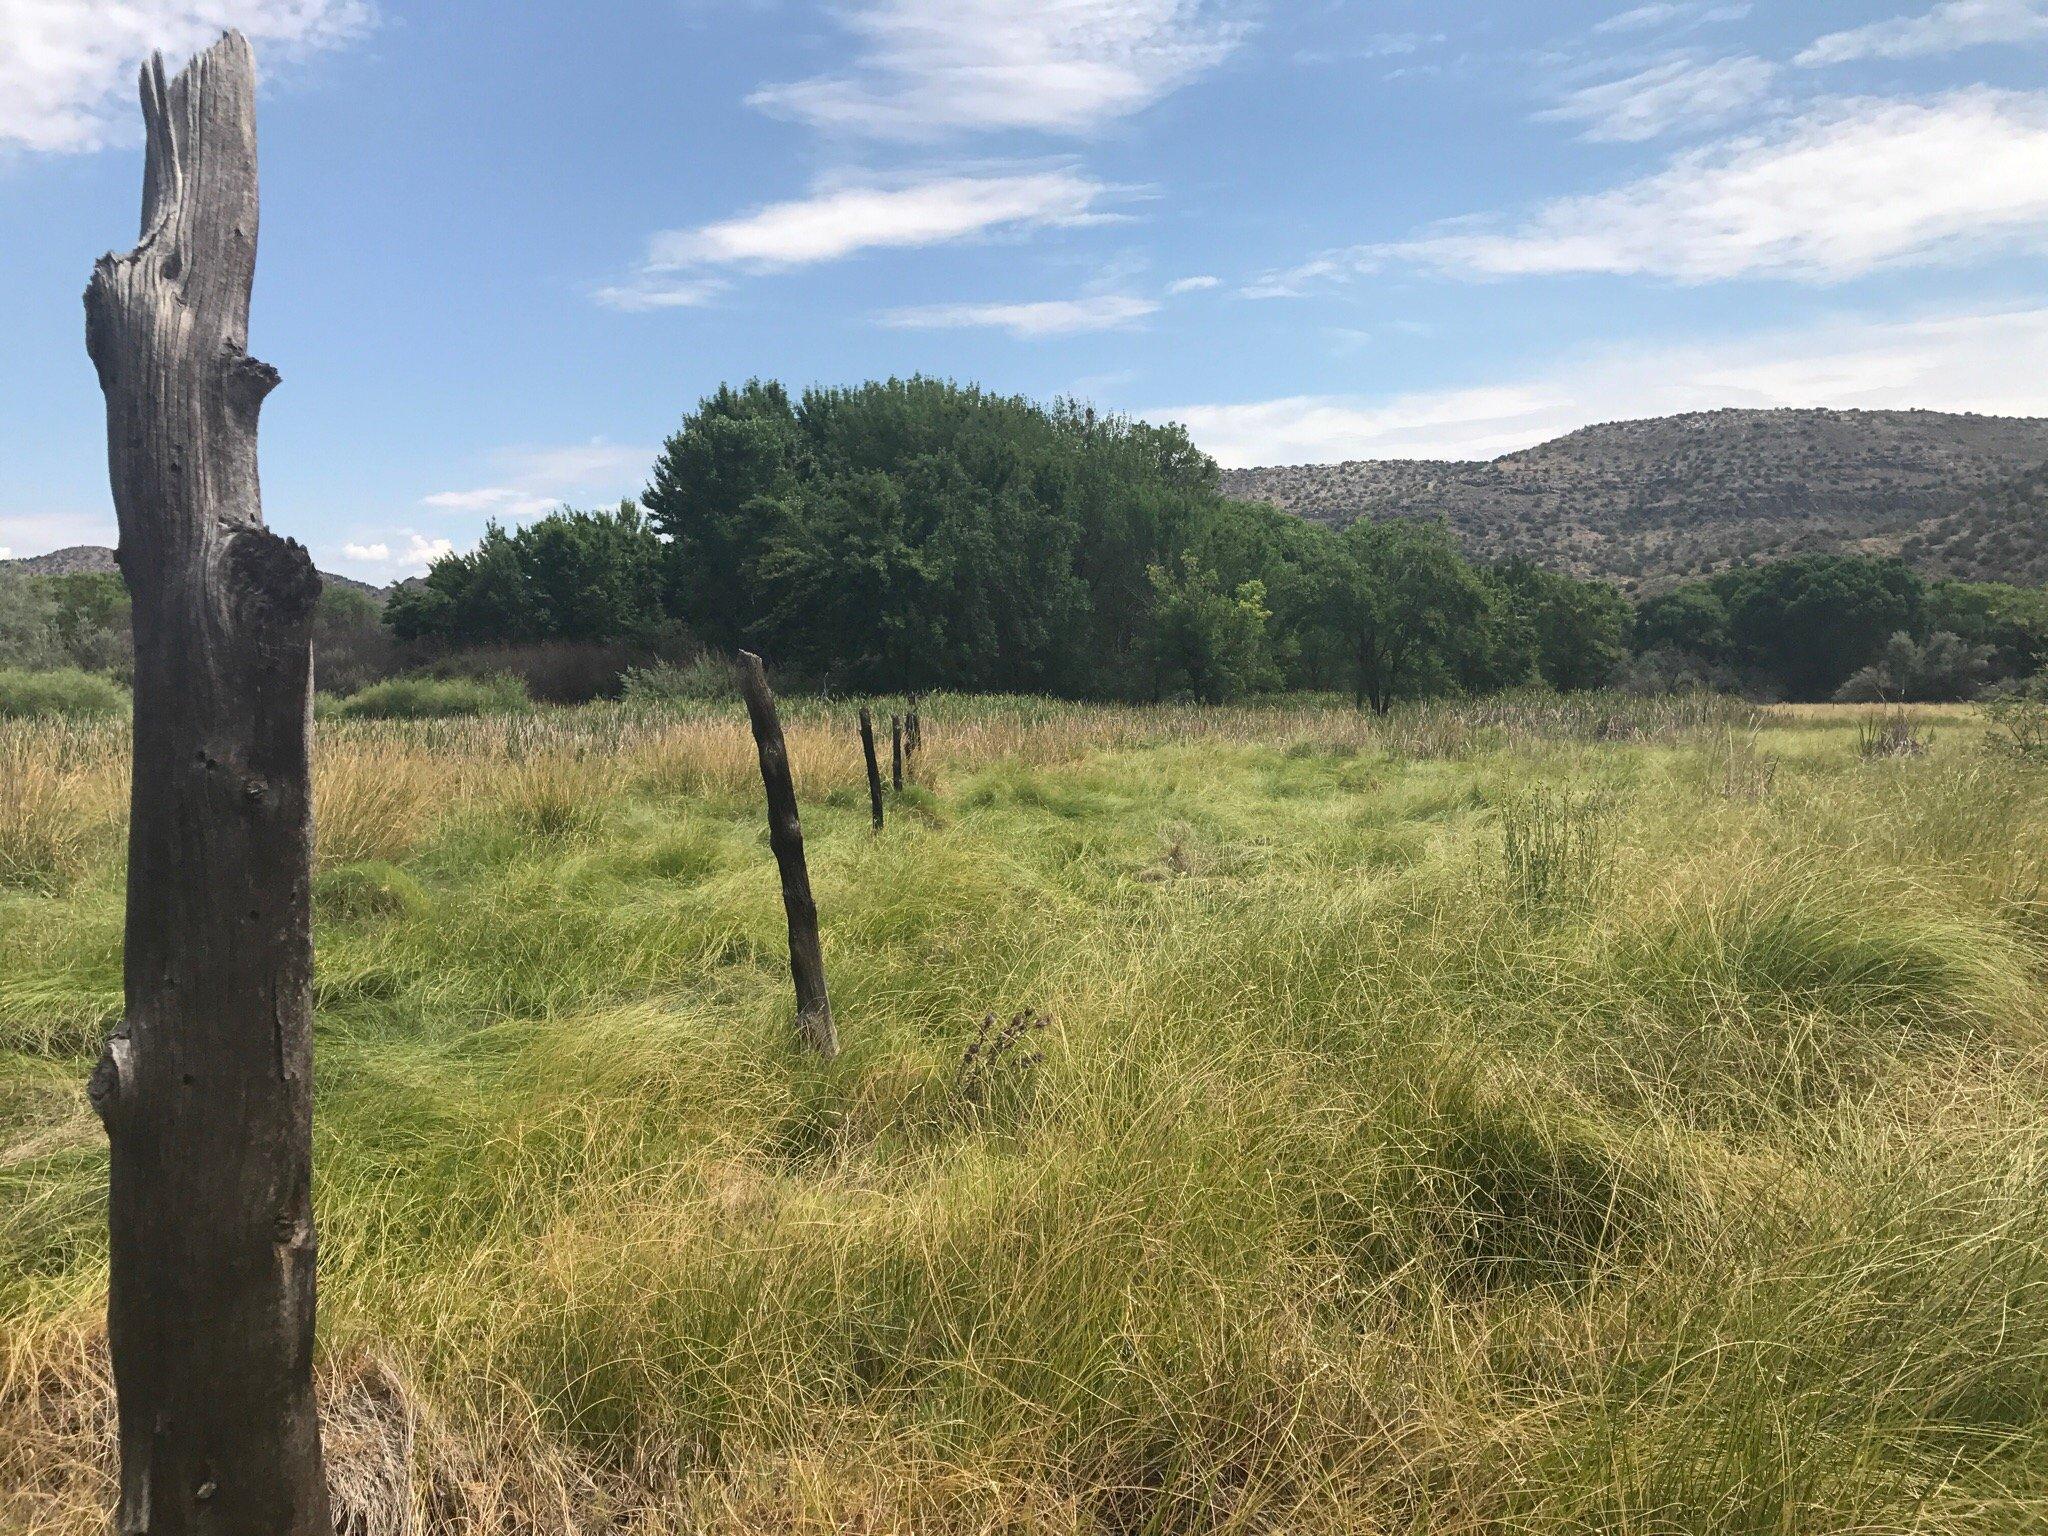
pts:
[786, 838]
[867, 746]
[206, 1088]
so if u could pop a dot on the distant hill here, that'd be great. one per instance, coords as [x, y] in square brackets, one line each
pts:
[98, 559]
[1648, 503]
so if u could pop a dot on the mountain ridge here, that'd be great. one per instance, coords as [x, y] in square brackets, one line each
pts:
[1656, 500]
[98, 560]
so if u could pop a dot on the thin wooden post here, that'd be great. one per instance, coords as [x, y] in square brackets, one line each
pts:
[867, 747]
[206, 1088]
[786, 838]
[896, 752]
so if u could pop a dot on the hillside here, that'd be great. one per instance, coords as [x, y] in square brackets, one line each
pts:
[1646, 503]
[98, 559]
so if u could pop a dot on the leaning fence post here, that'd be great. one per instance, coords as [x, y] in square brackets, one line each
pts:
[206, 1088]
[867, 747]
[786, 838]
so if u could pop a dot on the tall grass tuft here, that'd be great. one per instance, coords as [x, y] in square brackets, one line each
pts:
[1557, 851]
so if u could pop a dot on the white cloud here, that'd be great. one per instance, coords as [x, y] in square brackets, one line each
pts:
[1194, 285]
[1984, 362]
[40, 532]
[1641, 19]
[1060, 66]
[1947, 28]
[1678, 93]
[380, 562]
[1646, 18]
[652, 293]
[530, 481]
[506, 502]
[835, 222]
[1056, 317]
[1854, 186]
[67, 67]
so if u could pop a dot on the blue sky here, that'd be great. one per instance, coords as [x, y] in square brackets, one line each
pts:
[505, 248]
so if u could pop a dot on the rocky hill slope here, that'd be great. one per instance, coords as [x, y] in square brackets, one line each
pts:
[97, 558]
[1647, 503]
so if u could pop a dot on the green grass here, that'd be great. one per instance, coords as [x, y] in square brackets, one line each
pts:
[434, 698]
[1524, 1117]
[62, 693]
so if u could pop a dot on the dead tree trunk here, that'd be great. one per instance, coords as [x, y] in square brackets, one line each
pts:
[206, 1088]
[896, 753]
[786, 838]
[867, 747]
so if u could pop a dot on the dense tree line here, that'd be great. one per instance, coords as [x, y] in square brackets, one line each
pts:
[917, 534]
[1847, 626]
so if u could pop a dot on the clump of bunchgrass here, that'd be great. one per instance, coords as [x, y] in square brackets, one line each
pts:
[1557, 851]
[996, 1070]
[1891, 734]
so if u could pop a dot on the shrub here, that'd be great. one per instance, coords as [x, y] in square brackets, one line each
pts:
[2019, 721]
[705, 680]
[435, 698]
[64, 692]
[1909, 671]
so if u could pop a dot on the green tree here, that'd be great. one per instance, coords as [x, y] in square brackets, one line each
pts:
[1208, 644]
[712, 495]
[1691, 619]
[2011, 621]
[1396, 596]
[1812, 620]
[1580, 628]
[474, 599]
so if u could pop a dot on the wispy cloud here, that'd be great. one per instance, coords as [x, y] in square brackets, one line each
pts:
[650, 291]
[67, 79]
[1194, 284]
[839, 221]
[1853, 186]
[1947, 28]
[1381, 45]
[684, 268]
[1975, 361]
[1054, 317]
[1651, 18]
[929, 67]
[1677, 93]
[527, 482]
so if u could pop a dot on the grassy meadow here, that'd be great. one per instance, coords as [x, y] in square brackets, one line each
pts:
[1523, 1116]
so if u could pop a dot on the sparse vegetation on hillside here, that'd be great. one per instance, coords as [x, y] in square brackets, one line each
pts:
[1531, 1115]
[1648, 503]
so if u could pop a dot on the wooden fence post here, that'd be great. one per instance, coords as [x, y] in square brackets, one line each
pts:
[867, 747]
[896, 752]
[786, 838]
[206, 1088]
